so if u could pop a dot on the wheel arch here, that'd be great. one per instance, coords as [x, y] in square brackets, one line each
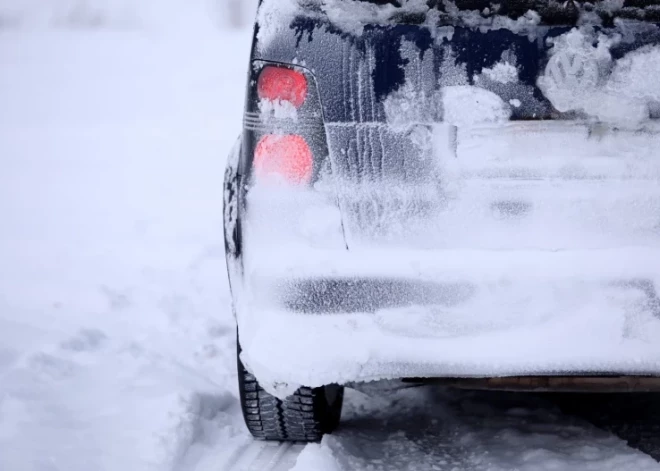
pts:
[233, 204]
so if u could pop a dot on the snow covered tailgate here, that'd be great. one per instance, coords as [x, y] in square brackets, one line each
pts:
[451, 232]
[539, 263]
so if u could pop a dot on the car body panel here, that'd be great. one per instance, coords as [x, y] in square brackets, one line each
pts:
[485, 201]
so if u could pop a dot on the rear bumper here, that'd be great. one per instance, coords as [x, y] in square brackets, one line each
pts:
[342, 317]
[286, 350]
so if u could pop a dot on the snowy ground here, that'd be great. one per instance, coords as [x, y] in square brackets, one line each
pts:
[116, 338]
[115, 333]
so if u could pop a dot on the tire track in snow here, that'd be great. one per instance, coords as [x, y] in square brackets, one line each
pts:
[434, 429]
[265, 456]
[431, 429]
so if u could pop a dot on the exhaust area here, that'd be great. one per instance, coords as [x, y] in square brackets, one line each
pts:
[572, 384]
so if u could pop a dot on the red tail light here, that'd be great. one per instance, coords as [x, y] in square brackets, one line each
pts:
[285, 156]
[280, 83]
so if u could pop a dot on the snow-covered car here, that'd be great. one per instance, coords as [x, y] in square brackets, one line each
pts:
[457, 191]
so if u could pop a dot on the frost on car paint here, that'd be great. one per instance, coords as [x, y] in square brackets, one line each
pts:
[584, 77]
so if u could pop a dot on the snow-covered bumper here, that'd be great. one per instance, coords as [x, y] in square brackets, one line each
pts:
[458, 313]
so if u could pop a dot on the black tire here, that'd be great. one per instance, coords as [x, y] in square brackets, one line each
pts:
[303, 417]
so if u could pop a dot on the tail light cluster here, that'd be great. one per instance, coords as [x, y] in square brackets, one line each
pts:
[287, 157]
[282, 84]
[284, 149]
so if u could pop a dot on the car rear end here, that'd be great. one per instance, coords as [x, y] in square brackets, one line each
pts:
[448, 190]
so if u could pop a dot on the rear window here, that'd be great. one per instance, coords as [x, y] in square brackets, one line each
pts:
[473, 12]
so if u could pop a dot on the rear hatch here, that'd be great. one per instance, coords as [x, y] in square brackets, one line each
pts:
[486, 125]
[518, 142]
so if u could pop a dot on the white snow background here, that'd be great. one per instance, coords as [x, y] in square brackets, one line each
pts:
[115, 327]
[116, 336]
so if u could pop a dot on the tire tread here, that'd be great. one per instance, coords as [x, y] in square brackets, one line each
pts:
[302, 417]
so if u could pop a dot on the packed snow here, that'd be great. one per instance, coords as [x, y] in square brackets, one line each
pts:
[116, 332]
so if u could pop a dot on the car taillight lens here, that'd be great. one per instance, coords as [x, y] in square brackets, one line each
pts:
[282, 84]
[283, 157]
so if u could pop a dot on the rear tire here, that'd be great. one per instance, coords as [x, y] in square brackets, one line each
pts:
[305, 416]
